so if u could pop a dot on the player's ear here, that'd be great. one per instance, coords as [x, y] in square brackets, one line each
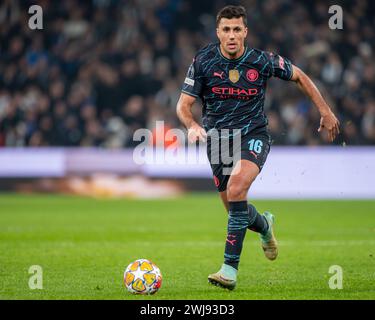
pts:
[245, 32]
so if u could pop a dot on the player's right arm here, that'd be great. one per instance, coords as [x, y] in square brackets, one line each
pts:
[191, 90]
[184, 113]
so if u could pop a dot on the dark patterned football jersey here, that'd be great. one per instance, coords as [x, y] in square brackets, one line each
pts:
[233, 91]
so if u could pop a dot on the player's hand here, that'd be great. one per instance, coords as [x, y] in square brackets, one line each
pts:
[330, 123]
[196, 133]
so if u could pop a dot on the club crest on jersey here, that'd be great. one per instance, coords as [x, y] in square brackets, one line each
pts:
[234, 75]
[252, 75]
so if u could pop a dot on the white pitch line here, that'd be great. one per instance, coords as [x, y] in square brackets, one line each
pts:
[171, 243]
[316, 243]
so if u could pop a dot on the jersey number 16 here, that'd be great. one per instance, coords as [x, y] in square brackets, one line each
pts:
[255, 145]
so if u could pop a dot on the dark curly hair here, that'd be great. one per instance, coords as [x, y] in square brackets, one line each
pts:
[231, 12]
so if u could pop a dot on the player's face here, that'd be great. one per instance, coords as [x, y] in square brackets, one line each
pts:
[232, 34]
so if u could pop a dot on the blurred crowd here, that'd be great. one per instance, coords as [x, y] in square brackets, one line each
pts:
[101, 69]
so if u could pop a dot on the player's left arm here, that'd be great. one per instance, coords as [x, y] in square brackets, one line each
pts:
[328, 120]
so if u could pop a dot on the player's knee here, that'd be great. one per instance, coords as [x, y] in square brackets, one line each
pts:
[236, 191]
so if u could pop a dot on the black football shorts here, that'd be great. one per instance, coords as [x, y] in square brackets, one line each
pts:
[225, 150]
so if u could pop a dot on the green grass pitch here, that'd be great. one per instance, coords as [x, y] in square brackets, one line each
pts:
[84, 245]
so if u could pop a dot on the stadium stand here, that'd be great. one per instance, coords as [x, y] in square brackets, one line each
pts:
[101, 69]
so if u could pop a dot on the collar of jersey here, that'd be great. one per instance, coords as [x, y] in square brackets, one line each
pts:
[232, 60]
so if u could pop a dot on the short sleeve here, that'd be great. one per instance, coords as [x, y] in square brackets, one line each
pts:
[193, 82]
[280, 67]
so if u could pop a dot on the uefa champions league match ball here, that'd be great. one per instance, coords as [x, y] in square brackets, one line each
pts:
[142, 277]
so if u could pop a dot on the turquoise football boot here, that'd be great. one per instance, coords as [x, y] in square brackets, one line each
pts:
[226, 277]
[269, 243]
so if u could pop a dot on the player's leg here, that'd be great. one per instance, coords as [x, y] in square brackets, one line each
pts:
[243, 174]
[258, 222]
[254, 152]
[261, 224]
[255, 149]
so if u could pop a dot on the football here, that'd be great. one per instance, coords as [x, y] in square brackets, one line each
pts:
[142, 277]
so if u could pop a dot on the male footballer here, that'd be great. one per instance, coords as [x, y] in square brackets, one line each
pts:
[230, 78]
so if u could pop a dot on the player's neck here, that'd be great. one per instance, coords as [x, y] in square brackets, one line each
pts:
[234, 56]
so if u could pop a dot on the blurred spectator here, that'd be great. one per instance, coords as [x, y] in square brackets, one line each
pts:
[102, 69]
